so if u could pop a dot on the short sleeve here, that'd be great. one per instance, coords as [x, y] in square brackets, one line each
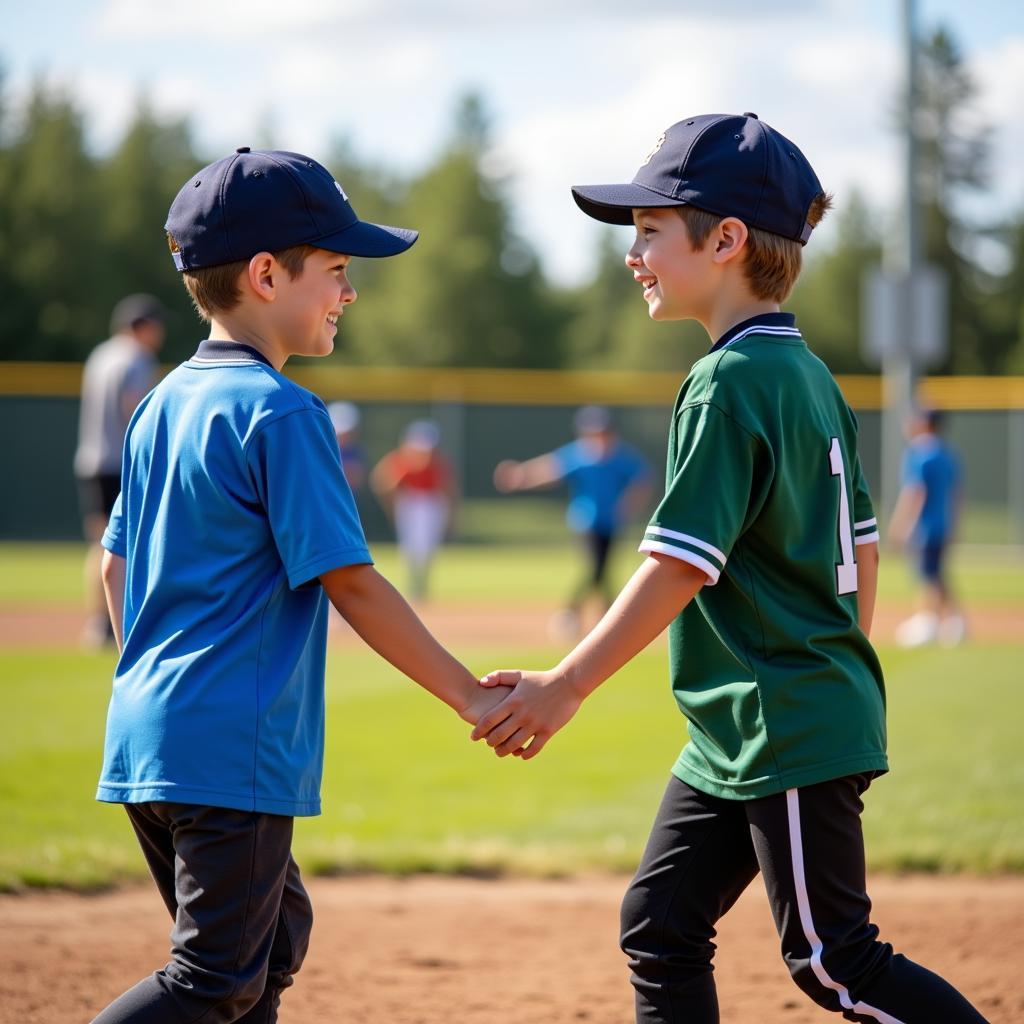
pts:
[113, 536]
[138, 378]
[707, 500]
[912, 470]
[865, 524]
[567, 458]
[296, 465]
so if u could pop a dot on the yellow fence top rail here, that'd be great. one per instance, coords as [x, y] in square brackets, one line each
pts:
[529, 387]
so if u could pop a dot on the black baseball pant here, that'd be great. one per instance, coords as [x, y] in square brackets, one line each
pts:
[599, 546]
[808, 846]
[241, 916]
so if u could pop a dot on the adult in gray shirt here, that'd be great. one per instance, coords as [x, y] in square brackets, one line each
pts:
[118, 373]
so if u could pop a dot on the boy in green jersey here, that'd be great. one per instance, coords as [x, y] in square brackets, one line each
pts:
[762, 562]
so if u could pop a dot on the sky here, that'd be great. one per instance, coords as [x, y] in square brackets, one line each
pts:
[578, 90]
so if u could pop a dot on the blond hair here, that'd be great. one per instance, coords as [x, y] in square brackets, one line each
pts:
[215, 289]
[771, 263]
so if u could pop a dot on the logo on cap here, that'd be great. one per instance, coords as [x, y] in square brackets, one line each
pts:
[342, 191]
[657, 146]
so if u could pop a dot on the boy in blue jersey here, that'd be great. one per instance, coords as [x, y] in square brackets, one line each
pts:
[233, 528]
[608, 482]
[762, 562]
[925, 519]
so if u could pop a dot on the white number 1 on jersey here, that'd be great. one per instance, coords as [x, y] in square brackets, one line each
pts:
[846, 569]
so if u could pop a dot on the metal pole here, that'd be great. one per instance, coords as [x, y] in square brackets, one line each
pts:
[902, 259]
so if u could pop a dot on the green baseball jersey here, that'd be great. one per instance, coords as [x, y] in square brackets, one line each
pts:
[765, 494]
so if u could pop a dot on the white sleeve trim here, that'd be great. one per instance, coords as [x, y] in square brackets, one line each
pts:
[864, 523]
[683, 555]
[867, 538]
[661, 531]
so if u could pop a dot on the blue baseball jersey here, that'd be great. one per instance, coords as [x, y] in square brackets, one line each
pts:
[929, 463]
[597, 482]
[232, 503]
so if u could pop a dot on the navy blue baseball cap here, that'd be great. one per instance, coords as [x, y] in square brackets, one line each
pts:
[732, 165]
[267, 200]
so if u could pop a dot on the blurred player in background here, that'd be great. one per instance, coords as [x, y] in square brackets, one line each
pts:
[609, 483]
[924, 520]
[416, 485]
[118, 373]
[345, 419]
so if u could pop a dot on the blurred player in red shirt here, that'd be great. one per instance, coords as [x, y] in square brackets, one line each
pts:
[416, 485]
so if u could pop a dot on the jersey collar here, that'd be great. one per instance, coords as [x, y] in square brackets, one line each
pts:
[217, 351]
[779, 324]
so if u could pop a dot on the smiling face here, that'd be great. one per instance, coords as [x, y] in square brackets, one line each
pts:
[677, 280]
[309, 307]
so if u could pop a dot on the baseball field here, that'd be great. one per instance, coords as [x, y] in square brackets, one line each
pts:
[457, 887]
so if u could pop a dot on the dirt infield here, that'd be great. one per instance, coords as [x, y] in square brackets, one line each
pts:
[512, 625]
[449, 950]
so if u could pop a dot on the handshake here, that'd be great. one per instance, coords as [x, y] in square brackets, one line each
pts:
[517, 712]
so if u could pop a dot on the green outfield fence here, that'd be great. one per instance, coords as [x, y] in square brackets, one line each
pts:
[488, 415]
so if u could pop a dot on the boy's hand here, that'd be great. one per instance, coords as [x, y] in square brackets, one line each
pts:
[533, 712]
[508, 476]
[484, 700]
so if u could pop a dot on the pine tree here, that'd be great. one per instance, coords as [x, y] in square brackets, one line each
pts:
[48, 229]
[136, 185]
[827, 298]
[469, 293]
[954, 156]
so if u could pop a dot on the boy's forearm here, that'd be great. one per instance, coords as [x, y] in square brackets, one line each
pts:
[112, 570]
[540, 471]
[657, 592]
[383, 618]
[908, 508]
[543, 702]
[867, 585]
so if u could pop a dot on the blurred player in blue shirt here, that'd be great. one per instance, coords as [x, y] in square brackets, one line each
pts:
[608, 483]
[925, 520]
[345, 420]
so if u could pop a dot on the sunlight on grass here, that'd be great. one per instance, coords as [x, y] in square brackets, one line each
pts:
[404, 790]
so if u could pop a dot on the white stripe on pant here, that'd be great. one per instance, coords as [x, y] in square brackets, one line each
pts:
[807, 921]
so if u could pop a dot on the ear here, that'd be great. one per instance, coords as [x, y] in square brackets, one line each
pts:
[728, 239]
[262, 275]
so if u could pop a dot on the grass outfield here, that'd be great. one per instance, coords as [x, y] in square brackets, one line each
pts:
[404, 791]
[38, 575]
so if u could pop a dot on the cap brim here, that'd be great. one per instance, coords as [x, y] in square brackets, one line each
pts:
[366, 239]
[614, 204]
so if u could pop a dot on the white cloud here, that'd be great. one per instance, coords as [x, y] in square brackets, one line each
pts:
[220, 20]
[833, 108]
[373, 93]
[106, 99]
[232, 19]
[999, 75]
[550, 149]
[580, 89]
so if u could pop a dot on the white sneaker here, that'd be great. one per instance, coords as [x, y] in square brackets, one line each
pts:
[918, 631]
[953, 631]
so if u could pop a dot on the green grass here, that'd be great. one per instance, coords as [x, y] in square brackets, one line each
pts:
[954, 798]
[404, 791]
[40, 575]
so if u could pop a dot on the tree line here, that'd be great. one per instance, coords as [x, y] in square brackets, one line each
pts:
[80, 230]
